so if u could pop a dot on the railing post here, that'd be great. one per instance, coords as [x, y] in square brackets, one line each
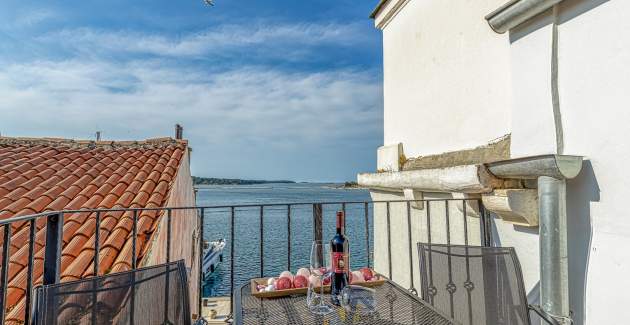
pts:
[318, 224]
[261, 246]
[6, 245]
[232, 215]
[367, 231]
[52, 254]
[289, 237]
[389, 241]
[29, 278]
[168, 266]
[200, 303]
[486, 226]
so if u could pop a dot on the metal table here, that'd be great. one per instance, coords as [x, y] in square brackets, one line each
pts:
[395, 306]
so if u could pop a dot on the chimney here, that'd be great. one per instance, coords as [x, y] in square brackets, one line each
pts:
[179, 132]
[98, 135]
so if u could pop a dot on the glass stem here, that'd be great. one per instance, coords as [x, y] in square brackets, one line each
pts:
[321, 296]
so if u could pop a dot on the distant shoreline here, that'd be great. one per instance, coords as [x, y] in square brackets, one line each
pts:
[235, 181]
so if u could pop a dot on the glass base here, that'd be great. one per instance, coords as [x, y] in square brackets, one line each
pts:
[321, 309]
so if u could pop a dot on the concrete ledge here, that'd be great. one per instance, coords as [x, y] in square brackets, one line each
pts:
[385, 11]
[517, 206]
[464, 179]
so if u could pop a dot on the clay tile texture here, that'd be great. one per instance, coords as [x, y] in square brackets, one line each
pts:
[38, 175]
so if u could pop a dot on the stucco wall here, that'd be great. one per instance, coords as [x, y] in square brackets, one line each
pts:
[445, 77]
[450, 84]
[419, 232]
[593, 74]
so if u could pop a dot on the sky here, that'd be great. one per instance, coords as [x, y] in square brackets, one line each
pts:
[276, 89]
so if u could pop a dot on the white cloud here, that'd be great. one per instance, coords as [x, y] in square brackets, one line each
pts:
[237, 108]
[27, 18]
[282, 40]
[248, 121]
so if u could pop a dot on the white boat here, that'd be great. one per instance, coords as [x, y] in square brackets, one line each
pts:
[212, 256]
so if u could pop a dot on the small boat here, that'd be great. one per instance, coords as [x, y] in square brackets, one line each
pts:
[212, 256]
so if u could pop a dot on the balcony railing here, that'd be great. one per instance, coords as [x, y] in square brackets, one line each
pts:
[362, 213]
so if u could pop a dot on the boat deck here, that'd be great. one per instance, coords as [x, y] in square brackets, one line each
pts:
[216, 309]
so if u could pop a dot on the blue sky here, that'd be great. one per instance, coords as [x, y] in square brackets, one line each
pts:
[279, 89]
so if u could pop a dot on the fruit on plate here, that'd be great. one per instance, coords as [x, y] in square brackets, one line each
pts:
[283, 283]
[367, 273]
[300, 281]
[287, 274]
[303, 271]
[271, 281]
[314, 279]
[356, 277]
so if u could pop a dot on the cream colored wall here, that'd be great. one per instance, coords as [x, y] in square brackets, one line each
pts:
[450, 83]
[446, 77]
[419, 232]
[594, 74]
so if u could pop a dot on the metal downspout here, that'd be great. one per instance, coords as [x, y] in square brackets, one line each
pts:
[551, 172]
[554, 267]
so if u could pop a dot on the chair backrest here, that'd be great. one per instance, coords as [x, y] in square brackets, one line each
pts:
[474, 285]
[149, 295]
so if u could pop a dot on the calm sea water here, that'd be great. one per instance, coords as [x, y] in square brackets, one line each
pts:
[247, 228]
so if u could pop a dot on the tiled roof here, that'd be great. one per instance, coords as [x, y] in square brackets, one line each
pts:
[38, 175]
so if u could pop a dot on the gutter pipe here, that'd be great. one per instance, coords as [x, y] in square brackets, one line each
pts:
[515, 12]
[551, 171]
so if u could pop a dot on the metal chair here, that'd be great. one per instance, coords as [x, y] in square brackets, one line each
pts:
[476, 285]
[150, 295]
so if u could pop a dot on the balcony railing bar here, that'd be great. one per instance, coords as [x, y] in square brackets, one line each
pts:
[202, 216]
[48, 213]
[232, 260]
[389, 241]
[429, 242]
[261, 245]
[54, 235]
[411, 288]
[288, 238]
[169, 213]
[5, 271]
[367, 232]
[29, 270]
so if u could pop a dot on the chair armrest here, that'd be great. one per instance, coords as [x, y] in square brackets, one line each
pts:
[550, 319]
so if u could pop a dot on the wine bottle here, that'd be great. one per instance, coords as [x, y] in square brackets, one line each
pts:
[339, 261]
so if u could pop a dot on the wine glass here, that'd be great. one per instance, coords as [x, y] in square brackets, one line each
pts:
[320, 268]
[358, 300]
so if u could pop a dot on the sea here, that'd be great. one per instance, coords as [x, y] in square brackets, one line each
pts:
[275, 237]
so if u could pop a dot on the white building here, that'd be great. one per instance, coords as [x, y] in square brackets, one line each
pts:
[539, 85]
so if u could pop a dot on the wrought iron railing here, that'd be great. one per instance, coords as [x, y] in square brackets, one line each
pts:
[55, 221]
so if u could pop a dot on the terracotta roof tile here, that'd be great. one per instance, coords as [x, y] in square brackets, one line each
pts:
[39, 175]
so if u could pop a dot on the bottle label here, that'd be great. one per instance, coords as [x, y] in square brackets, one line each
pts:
[339, 262]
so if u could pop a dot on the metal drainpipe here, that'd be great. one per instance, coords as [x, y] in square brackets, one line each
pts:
[554, 268]
[551, 171]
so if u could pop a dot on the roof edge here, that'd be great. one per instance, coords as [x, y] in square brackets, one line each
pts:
[516, 12]
[378, 8]
[89, 143]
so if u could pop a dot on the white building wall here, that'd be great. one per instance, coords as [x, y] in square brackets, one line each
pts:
[445, 77]
[593, 79]
[451, 83]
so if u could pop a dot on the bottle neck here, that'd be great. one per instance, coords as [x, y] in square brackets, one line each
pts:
[340, 223]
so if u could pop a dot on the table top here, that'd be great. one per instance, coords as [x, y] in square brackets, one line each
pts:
[395, 305]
